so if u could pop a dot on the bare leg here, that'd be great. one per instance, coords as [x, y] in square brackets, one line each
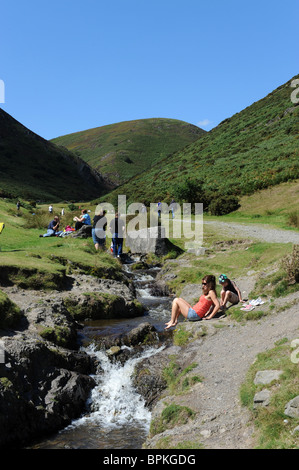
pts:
[179, 306]
[230, 297]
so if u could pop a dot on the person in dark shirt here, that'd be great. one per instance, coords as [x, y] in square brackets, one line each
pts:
[98, 230]
[52, 228]
[117, 228]
[229, 293]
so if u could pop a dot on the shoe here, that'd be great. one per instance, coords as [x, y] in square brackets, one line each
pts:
[40, 236]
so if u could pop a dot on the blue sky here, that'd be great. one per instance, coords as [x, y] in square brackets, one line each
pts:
[71, 65]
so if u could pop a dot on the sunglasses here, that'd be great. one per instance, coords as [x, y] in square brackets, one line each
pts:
[204, 283]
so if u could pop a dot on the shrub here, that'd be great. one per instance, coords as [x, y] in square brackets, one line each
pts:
[291, 265]
[293, 219]
[222, 205]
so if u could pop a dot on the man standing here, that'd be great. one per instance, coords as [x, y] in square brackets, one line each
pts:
[117, 228]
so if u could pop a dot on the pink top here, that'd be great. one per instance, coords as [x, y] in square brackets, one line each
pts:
[202, 306]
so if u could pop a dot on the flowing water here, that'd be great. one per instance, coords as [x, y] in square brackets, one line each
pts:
[116, 417]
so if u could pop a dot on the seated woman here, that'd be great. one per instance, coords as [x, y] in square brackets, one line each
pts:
[207, 306]
[229, 293]
[83, 220]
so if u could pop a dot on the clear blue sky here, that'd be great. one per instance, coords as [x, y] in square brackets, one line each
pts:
[71, 65]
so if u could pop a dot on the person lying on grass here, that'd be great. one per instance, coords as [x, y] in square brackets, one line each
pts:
[205, 309]
[229, 293]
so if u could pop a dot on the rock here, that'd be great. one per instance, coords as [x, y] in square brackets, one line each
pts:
[296, 430]
[149, 240]
[83, 232]
[262, 398]
[292, 408]
[267, 376]
[42, 389]
[113, 351]
[102, 305]
[145, 333]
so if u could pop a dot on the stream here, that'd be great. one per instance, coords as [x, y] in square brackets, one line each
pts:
[116, 416]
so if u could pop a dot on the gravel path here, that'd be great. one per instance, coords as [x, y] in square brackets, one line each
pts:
[257, 231]
[224, 357]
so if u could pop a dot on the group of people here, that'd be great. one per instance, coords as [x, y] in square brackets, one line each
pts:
[98, 231]
[208, 304]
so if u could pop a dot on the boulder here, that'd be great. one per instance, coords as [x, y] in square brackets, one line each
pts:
[148, 240]
[42, 389]
[267, 376]
[292, 408]
[83, 232]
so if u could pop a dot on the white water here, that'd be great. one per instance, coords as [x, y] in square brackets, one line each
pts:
[114, 403]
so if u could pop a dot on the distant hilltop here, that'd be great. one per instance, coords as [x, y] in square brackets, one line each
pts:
[123, 150]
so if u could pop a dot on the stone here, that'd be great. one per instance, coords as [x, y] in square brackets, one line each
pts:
[262, 398]
[267, 376]
[292, 408]
[83, 232]
[149, 240]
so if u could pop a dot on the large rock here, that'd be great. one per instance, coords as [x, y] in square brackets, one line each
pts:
[149, 240]
[42, 389]
[292, 408]
[83, 232]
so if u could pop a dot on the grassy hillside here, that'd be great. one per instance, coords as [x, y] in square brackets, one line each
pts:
[120, 151]
[254, 149]
[34, 168]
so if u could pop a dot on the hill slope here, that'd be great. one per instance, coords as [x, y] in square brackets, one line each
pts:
[254, 149]
[120, 151]
[33, 168]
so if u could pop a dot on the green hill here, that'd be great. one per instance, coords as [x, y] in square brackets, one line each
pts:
[254, 149]
[33, 168]
[120, 151]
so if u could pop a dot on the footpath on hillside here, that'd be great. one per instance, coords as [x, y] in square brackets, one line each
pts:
[256, 231]
[224, 356]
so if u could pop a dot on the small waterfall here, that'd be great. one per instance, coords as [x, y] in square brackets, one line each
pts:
[114, 402]
[116, 416]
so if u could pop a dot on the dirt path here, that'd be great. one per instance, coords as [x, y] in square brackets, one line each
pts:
[257, 231]
[224, 357]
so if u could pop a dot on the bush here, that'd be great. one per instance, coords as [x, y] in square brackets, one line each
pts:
[224, 205]
[291, 265]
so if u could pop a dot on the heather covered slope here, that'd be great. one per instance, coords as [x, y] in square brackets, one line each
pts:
[120, 151]
[254, 149]
[33, 168]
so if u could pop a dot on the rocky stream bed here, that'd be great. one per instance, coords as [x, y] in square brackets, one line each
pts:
[59, 365]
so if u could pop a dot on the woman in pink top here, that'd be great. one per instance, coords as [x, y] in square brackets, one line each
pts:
[207, 306]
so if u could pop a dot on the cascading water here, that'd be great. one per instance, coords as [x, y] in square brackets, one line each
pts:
[117, 417]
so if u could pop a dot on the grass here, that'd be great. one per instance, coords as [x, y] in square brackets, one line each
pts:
[33, 168]
[33, 262]
[255, 149]
[274, 430]
[172, 415]
[122, 150]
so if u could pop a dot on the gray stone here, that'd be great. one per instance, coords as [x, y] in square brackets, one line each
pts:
[262, 398]
[267, 376]
[292, 408]
[83, 232]
[150, 240]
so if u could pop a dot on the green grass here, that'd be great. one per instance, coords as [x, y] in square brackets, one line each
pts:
[33, 262]
[274, 430]
[255, 149]
[120, 151]
[33, 168]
